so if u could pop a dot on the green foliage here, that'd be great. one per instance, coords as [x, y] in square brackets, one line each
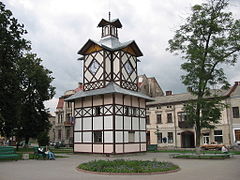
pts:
[209, 38]
[127, 166]
[43, 138]
[25, 83]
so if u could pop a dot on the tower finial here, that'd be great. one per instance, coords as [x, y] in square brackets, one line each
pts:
[109, 15]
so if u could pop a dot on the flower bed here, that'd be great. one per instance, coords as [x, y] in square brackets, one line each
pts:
[128, 166]
[201, 156]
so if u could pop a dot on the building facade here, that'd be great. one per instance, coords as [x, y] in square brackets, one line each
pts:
[166, 124]
[110, 112]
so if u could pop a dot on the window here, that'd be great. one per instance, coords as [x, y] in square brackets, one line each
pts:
[59, 134]
[68, 134]
[97, 110]
[235, 111]
[158, 107]
[69, 104]
[218, 137]
[131, 136]
[237, 135]
[97, 136]
[126, 113]
[170, 137]
[169, 106]
[169, 117]
[134, 111]
[206, 138]
[159, 119]
[182, 116]
[147, 120]
[159, 137]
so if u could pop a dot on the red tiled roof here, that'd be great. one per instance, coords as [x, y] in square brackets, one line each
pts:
[80, 88]
[60, 103]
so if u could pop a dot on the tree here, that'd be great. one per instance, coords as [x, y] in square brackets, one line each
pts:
[35, 88]
[25, 83]
[209, 38]
[12, 46]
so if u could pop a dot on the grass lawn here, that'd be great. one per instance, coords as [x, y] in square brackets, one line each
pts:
[127, 166]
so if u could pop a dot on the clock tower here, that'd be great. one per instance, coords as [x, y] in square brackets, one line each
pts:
[110, 114]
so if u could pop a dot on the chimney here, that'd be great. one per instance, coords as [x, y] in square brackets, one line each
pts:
[168, 93]
[80, 84]
[237, 83]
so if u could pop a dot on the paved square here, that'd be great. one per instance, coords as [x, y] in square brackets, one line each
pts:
[65, 168]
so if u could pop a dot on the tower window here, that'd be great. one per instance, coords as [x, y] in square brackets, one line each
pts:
[97, 135]
[97, 110]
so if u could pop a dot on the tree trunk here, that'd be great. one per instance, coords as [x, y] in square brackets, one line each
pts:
[198, 136]
[26, 142]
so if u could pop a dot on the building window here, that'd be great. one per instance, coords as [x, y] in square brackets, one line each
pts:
[170, 137]
[206, 138]
[97, 135]
[158, 107]
[159, 137]
[97, 110]
[237, 135]
[235, 111]
[126, 112]
[147, 120]
[169, 117]
[218, 136]
[182, 116]
[68, 134]
[134, 111]
[69, 104]
[131, 136]
[169, 106]
[159, 119]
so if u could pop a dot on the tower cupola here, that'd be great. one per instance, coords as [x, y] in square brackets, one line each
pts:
[110, 27]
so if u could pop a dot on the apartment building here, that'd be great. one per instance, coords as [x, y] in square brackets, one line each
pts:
[166, 124]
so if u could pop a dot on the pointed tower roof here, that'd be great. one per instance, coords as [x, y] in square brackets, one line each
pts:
[114, 22]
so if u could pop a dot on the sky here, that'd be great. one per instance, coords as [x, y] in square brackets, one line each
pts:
[57, 29]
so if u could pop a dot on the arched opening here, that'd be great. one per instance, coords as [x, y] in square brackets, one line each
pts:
[187, 139]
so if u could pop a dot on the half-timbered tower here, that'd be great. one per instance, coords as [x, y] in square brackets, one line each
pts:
[110, 112]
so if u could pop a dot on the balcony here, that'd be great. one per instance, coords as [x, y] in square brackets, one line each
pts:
[184, 124]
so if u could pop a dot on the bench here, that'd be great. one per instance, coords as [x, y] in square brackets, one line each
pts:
[38, 155]
[8, 153]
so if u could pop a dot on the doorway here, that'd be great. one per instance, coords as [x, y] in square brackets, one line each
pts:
[187, 138]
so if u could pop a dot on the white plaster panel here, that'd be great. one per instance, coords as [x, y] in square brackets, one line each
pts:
[143, 147]
[99, 58]
[143, 136]
[125, 136]
[87, 136]
[87, 123]
[78, 103]
[108, 120]
[142, 123]
[107, 65]
[108, 148]
[98, 148]
[116, 65]
[119, 148]
[127, 100]
[124, 58]
[99, 73]
[87, 102]
[78, 124]
[97, 100]
[88, 60]
[131, 147]
[88, 75]
[82, 148]
[98, 123]
[108, 136]
[77, 137]
[108, 99]
[127, 123]
[119, 137]
[119, 122]
[135, 123]
[137, 134]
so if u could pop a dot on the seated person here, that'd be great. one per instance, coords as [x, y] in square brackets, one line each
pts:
[224, 149]
[40, 150]
[50, 154]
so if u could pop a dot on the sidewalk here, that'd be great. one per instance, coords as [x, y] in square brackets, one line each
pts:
[65, 168]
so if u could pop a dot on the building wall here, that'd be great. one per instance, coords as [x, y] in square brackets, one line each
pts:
[101, 128]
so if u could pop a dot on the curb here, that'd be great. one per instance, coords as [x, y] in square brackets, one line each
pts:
[130, 174]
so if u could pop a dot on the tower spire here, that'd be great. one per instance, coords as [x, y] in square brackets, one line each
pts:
[109, 15]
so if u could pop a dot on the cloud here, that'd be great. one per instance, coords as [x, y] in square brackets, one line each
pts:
[59, 28]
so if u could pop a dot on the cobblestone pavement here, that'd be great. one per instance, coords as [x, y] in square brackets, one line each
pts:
[65, 169]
